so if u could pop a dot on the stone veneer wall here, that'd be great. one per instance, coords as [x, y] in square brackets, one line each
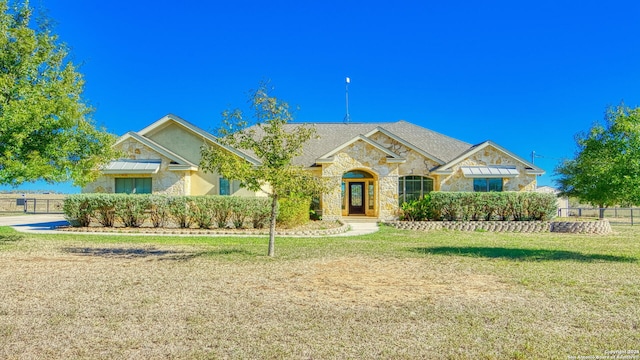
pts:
[488, 156]
[164, 182]
[582, 227]
[361, 156]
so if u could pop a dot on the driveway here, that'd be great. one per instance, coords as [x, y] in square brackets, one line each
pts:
[34, 223]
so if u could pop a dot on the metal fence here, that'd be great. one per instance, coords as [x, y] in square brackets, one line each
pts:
[31, 205]
[615, 215]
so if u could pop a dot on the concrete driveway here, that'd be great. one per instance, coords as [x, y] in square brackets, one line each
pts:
[34, 223]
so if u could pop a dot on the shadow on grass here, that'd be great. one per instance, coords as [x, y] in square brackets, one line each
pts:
[520, 254]
[133, 253]
[9, 239]
[220, 252]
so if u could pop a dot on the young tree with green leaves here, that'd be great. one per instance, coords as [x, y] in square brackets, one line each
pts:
[46, 132]
[272, 143]
[606, 169]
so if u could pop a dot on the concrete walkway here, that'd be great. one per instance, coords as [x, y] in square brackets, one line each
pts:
[46, 224]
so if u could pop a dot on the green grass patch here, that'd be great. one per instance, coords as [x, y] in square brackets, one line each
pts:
[392, 294]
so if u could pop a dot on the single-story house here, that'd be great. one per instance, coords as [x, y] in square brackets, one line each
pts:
[374, 167]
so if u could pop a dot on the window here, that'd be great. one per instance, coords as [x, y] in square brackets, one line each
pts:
[486, 185]
[227, 187]
[371, 195]
[413, 187]
[133, 185]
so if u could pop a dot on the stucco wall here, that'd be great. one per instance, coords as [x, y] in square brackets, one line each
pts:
[180, 141]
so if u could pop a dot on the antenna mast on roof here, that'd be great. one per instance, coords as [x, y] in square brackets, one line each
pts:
[347, 118]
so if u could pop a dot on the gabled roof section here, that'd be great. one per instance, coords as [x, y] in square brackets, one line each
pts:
[178, 162]
[332, 135]
[392, 157]
[403, 142]
[165, 120]
[530, 168]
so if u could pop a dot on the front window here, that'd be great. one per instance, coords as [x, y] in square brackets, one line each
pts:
[228, 187]
[133, 185]
[413, 187]
[486, 185]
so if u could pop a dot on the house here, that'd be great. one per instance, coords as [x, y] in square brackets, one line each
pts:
[373, 167]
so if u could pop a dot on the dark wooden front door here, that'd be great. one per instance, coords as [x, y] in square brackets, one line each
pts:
[356, 198]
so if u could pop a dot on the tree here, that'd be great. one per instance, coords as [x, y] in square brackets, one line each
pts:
[606, 169]
[272, 143]
[46, 132]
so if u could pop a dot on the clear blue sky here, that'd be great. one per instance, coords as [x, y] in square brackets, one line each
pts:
[527, 75]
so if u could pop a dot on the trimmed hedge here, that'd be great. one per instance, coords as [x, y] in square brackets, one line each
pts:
[477, 206]
[293, 211]
[184, 211]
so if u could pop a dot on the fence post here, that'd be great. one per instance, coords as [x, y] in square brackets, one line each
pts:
[631, 216]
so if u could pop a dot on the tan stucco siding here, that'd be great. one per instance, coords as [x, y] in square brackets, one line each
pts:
[487, 156]
[204, 183]
[180, 141]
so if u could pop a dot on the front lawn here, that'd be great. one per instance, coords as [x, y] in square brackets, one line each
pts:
[392, 294]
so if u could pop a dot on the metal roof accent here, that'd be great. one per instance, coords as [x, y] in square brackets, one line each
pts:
[494, 171]
[122, 166]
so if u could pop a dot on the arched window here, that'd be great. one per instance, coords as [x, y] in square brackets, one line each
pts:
[413, 187]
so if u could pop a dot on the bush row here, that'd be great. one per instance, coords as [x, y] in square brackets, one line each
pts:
[476, 206]
[183, 211]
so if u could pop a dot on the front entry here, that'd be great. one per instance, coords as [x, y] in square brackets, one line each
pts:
[356, 198]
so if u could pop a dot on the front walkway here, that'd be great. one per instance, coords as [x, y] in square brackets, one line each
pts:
[46, 224]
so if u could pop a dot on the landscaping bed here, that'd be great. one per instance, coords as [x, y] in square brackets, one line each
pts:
[312, 228]
[583, 227]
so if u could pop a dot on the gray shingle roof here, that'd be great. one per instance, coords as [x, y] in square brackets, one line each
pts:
[332, 135]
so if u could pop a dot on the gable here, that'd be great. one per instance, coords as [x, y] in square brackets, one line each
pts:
[185, 139]
[488, 157]
[180, 140]
[363, 149]
[140, 148]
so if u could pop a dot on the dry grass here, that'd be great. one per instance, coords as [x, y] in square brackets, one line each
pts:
[394, 294]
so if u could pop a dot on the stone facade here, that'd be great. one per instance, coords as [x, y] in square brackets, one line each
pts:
[163, 182]
[485, 157]
[601, 227]
[378, 154]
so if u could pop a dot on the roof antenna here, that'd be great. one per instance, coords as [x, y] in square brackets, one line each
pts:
[347, 118]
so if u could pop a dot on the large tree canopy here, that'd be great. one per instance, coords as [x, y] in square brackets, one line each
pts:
[46, 132]
[270, 142]
[606, 169]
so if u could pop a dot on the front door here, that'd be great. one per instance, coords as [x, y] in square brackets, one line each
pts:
[356, 198]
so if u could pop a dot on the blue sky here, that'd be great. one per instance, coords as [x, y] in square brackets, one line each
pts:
[527, 75]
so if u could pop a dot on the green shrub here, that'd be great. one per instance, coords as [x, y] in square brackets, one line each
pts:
[131, 209]
[77, 209]
[293, 211]
[158, 210]
[259, 212]
[222, 211]
[416, 210]
[104, 207]
[239, 207]
[203, 211]
[181, 210]
[461, 206]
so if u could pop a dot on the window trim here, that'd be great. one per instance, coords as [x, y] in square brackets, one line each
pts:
[487, 186]
[402, 193]
[135, 186]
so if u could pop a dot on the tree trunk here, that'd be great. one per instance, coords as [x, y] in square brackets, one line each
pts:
[272, 226]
